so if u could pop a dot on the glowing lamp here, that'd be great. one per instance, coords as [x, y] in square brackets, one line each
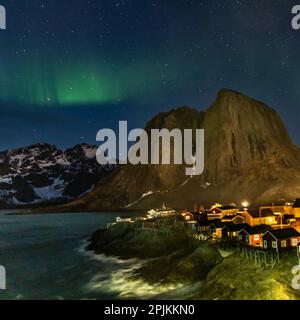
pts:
[245, 204]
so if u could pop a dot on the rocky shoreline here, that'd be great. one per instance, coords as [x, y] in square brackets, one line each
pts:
[172, 258]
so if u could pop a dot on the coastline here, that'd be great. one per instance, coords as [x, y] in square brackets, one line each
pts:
[167, 259]
[223, 275]
[42, 211]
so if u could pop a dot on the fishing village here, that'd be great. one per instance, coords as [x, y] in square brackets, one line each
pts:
[265, 235]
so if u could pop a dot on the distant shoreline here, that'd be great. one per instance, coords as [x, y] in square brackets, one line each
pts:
[27, 212]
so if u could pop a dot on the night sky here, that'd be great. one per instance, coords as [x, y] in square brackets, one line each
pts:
[69, 68]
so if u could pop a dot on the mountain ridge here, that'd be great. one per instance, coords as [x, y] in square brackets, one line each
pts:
[248, 155]
[41, 173]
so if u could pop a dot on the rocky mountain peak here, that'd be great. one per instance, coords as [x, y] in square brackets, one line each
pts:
[248, 155]
[247, 129]
[182, 118]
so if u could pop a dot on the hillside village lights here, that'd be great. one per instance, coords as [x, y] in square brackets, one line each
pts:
[2, 18]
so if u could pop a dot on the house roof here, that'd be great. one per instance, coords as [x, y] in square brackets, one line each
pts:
[229, 217]
[297, 203]
[215, 211]
[220, 224]
[256, 213]
[284, 233]
[279, 203]
[227, 208]
[236, 227]
[188, 214]
[288, 216]
[257, 229]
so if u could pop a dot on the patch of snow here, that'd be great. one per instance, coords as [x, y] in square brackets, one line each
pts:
[17, 202]
[142, 197]
[4, 193]
[53, 191]
[185, 182]
[86, 192]
[206, 185]
[6, 180]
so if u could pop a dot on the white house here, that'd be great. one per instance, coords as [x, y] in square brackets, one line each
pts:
[124, 219]
[164, 212]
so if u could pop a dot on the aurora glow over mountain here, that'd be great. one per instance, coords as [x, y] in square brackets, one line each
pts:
[69, 68]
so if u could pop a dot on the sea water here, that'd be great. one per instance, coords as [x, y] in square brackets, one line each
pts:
[45, 258]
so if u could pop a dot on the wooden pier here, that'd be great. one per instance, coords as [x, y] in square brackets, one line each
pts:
[261, 257]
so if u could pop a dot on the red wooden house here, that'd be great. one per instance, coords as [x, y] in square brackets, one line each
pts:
[253, 236]
[236, 219]
[281, 239]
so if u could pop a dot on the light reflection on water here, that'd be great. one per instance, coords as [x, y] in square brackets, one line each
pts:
[45, 258]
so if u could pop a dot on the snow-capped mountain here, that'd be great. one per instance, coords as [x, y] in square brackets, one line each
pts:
[42, 173]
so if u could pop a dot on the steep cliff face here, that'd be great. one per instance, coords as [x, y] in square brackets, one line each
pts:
[248, 155]
[241, 134]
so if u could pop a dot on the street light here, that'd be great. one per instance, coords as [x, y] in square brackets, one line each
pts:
[245, 204]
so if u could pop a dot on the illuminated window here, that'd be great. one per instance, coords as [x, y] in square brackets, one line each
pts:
[274, 244]
[240, 237]
[256, 237]
[265, 243]
[271, 220]
[283, 244]
[294, 242]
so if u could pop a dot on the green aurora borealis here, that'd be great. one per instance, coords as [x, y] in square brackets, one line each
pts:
[54, 83]
[75, 67]
[62, 85]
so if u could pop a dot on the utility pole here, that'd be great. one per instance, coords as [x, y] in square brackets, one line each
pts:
[298, 253]
[260, 215]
